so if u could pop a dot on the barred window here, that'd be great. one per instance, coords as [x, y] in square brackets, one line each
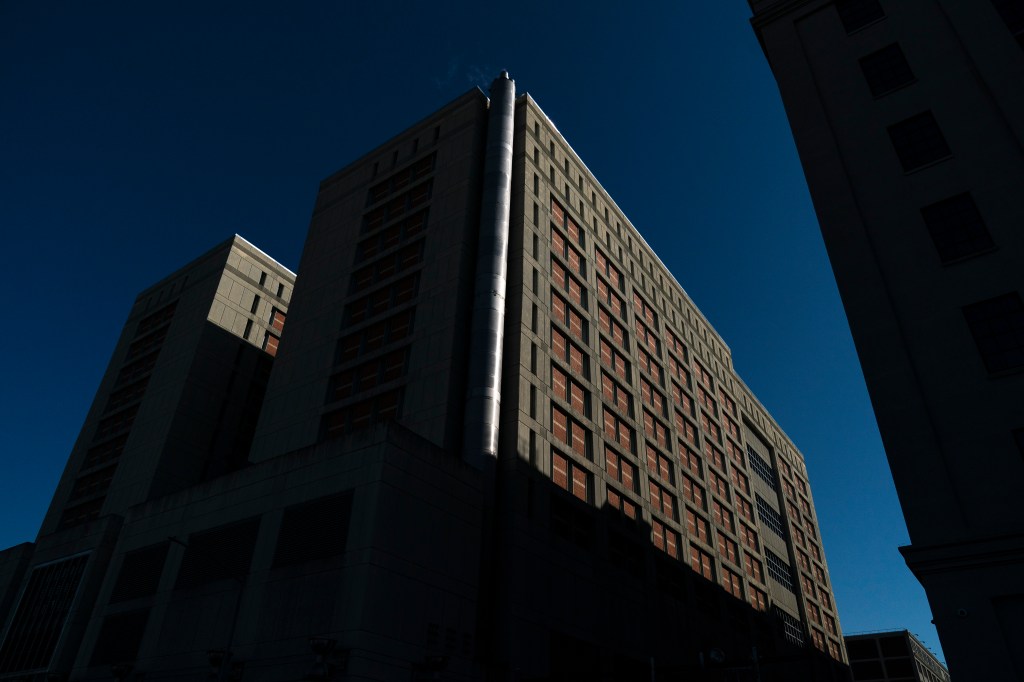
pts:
[769, 517]
[761, 467]
[779, 570]
[792, 628]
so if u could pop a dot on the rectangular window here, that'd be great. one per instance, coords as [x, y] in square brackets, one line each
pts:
[957, 229]
[770, 518]
[569, 353]
[918, 141]
[697, 526]
[856, 14]
[623, 505]
[702, 562]
[997, 325]
[616, 429]
[690, 460]
[609, 271]
[613, 359]
[314, 530]
[659, 465]
[616, 395]
[761, 467]
[571, 255]
[693, 492]
[608, 296]
[732, 583]
[886, 70]
[675, 345]
[644, 311]
[749, 537]
[571, 391]
[662, 500]
[277, 319]
[622, 470]
[222, 553]
[677, 370]
[686, 429]
[561, 278]
[722, 516]
[780, 570]
[754, 568]
[655, 430]
[728, 550]
[570, 432]
[718, 485]
[703, 377]
[569, 475]
[745, 509]
[649, 364]
[758, 599]
[665, 539]
[612, 327]
[562, 311]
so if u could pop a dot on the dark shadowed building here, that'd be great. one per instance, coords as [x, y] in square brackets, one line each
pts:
[498, 441]
[909, 120]
[894, 656]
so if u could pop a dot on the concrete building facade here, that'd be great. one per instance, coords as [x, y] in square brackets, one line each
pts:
[896, 656]
[498, 441]
[909, 120]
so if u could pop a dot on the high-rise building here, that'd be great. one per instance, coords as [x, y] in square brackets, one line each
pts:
[498, 441]
[909, 121]
[177, 406]
[894, 656]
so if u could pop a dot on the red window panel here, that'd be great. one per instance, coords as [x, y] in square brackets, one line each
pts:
[754, 568]
[794, 514]
[690, 460]
[702, 562]
[817, 639]
[799, 482]
[813, 612]
[741, 481]
[652, 397]
[697, 526]
[649, 364]
[718, 485]
[727, 548]
[662, 500]
[798, 535]
[834, 651]
[580, 488]
[675, 345]
[805, 507]
[819, 573]
[665, 539]
[678, 371]
[803, 560]
[574, 230]
[705, 399]
[811, 532]
[270, 343]
[735, 454]
[608, 296]
[277, 319]
[565, 350]
[728, 403]
[557, 214]
[647, 337]
[710, 427]
[815, 551]
[787, 488]
[686, 429]
[731, 427]
[560, 425]
[681, 399]
[693, 492]
[614, 360]
[655, 430]
[616, 429]
[621, 469]
[615, 394]
[605, 267]
[644, 310]
[723, 517]
[560, 470]
[807, 583]
[732, 583]
[825, 598]
[714, 455]
[745, 509]
[659, 465]
[758, 598]
[749, 537]
[557, 243]
[619, 502]
[702, 375]
[611, 327]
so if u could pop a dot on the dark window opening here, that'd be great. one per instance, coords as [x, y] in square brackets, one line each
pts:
[886, 70]
[998, 328]
[918, 141]
[856, 14]
[957, 228]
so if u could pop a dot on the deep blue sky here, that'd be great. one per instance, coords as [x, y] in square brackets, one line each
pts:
[134, 136]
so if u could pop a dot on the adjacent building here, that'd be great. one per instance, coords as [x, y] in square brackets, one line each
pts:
[909, 120]
[498, 441]
[894, 656]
